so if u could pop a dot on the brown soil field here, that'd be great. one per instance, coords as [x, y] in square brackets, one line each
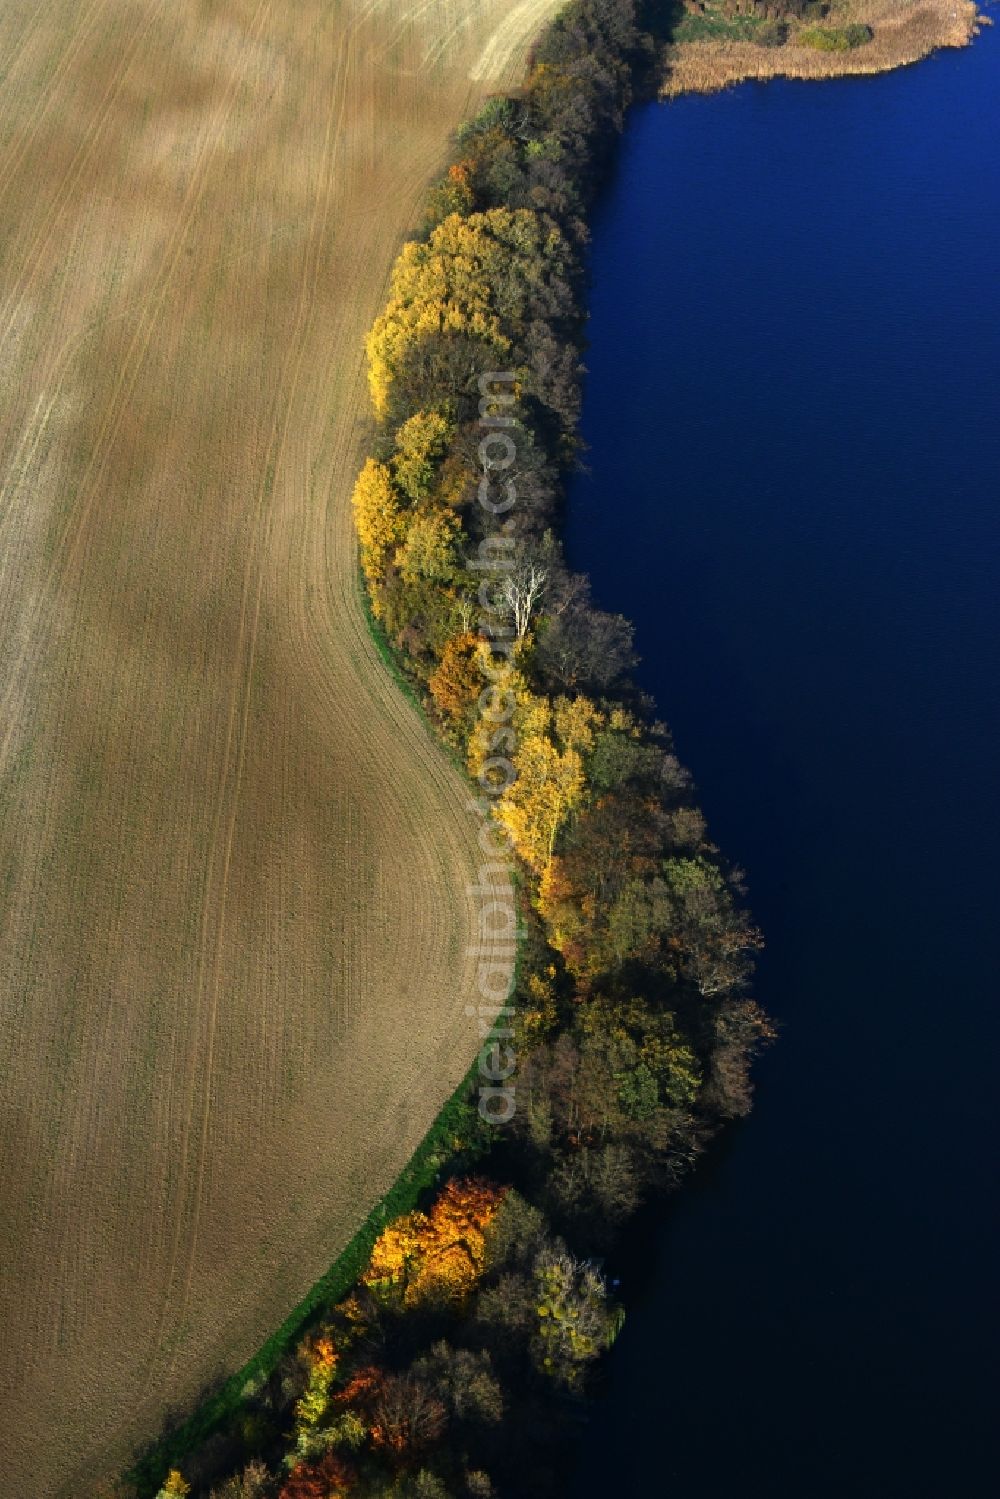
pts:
[905, 31]
[234, 863]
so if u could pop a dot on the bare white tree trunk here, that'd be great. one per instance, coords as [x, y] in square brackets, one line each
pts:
[522, 590]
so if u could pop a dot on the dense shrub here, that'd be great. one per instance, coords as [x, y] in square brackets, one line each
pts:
[835, 38]
[772, 34]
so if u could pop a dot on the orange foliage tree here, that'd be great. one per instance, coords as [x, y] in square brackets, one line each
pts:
[457, 682]
[437, 1254]
[327, 1479]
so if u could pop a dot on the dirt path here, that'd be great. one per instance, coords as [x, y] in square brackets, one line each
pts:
[233, 862]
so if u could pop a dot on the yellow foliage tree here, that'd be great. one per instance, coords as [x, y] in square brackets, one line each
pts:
[321, 1357]
[430, 549]
[378, 518]
[542, 1016]
[456, 480]
[471, 276]
[421, 444]
[551, 742]
[175, 1486]
[574, 720]
[564, 912]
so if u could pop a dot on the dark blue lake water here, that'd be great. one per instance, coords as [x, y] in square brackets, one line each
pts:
[792, 412]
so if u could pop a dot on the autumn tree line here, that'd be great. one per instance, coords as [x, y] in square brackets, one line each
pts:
[458, 1365]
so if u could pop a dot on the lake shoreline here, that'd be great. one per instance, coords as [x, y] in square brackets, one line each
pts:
[903, 34]
[802, 537]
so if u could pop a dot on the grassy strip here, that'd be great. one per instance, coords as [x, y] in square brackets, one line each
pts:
[394, 666]
[433, 1153]
[389, 658]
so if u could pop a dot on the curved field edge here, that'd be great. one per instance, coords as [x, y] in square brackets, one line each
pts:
[434, 1151]
[216, 806]
[448, 1142]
